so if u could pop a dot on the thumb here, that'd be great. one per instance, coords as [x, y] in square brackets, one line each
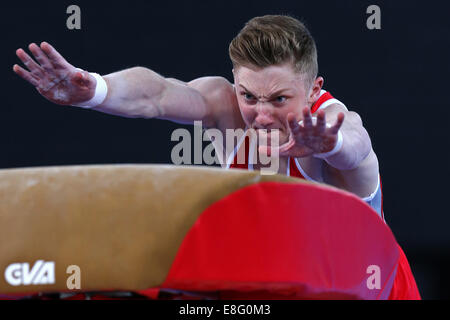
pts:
[265, 150]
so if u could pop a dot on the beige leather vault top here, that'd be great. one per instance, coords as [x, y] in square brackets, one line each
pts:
[121, 224]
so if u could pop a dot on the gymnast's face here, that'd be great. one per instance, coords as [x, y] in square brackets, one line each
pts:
[267, 95]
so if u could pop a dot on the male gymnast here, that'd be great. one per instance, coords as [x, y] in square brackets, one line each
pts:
[276, 87]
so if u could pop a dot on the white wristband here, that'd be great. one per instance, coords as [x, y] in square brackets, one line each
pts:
[336, 148]
[101, 90]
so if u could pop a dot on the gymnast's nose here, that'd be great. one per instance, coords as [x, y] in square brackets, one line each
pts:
[264, 118]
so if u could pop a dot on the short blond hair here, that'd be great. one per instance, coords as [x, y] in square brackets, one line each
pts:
[273, 40]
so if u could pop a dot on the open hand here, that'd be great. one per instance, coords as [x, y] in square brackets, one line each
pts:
[55, 78]
[307, 138]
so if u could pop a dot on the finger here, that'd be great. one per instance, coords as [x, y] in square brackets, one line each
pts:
[307, 119]
[282, 150]
[26, 75]
[321, 124]
[340, 120]
[266, 150]
[41, 57]
[285, 149]
[53, 55]
[293, 124]
[30, 63]
[269, 150]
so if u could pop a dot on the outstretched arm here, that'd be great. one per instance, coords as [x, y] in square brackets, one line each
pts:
[134, 92]
[354, 167]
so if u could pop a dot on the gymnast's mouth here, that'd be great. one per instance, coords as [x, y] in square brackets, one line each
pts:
[267, 130]
[271, 137]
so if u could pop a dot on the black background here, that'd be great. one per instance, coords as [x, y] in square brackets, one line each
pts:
[395, 78]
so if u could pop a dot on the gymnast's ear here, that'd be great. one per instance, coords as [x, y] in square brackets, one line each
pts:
[315, 89]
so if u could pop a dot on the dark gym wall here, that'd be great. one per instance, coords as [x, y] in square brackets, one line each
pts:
[395, 78]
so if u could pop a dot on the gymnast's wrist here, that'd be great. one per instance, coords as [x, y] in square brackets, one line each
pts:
[336, 149]
[101, 91]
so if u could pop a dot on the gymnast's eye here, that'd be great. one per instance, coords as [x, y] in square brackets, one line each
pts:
[280, 99]
[247, 96]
